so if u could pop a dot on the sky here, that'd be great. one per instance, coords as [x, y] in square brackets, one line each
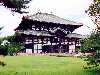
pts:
[73, 10]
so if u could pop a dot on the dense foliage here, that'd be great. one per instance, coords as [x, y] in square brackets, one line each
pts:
[15, 5]
[92, 45]
[10, 45]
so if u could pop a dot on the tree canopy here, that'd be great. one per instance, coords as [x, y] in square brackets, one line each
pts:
[94, 12]
[94, 8]
[15, 5]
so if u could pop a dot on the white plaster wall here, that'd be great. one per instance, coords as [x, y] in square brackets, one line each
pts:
[29, 51]
[71, 48]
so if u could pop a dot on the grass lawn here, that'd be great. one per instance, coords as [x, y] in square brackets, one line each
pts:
[43, 65]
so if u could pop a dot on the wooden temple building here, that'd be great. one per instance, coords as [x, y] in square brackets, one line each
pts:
[43, 32]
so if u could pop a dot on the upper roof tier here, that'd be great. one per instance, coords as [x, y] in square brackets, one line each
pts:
[45, 17]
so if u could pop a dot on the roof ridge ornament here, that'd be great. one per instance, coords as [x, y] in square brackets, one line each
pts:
[39, 12]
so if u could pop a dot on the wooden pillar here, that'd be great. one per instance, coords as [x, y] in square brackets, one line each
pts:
[37, 48]
[24, 42]
[60, 46]
[64, 41]
[75, 44]
[68, 45]
[42, 43]
[51, 48]
[33, 44]
[51, 45]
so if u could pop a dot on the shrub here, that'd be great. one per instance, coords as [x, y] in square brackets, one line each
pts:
[2, 63]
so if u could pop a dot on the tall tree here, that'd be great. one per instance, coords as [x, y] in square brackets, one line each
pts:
[94, 12]
[92, 43]
[15, 5]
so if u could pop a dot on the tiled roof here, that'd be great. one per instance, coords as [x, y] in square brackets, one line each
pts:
[45, 17]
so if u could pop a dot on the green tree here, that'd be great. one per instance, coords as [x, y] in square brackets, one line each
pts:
[92, 44]
[15, 5]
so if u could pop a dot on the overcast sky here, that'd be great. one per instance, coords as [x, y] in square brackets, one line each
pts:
[73, 10]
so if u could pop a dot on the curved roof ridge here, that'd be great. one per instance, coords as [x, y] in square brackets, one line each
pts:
[48, 17]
